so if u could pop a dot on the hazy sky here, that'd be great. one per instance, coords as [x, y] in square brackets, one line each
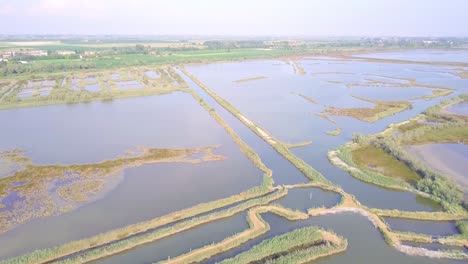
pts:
[236, 17]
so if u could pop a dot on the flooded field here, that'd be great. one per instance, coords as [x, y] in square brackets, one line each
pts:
[309, 105]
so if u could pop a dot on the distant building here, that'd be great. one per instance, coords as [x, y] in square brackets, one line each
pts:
[66, 52]
[7, 54]
[34, 53]
[3, 60]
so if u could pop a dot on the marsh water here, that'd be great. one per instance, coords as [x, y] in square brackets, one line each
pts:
[85, 133]
[447, 158]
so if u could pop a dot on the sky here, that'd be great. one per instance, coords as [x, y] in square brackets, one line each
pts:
[236, 17]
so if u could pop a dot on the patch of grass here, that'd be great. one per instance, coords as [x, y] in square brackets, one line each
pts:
[250, 79]
[343, 159]
[376, 160]
[462, 227]
[436, 93]
[335, 132]
[437, 134]
[380, 110]
[326, 117]
[308, 98]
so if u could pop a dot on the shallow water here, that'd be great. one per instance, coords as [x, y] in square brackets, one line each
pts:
[445, 228]
[126, 85]
[448, 159]
[92, 87]
[459, 109]
[152, 74]
[305, 198]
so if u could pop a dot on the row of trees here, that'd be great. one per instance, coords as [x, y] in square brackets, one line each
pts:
[17, 68]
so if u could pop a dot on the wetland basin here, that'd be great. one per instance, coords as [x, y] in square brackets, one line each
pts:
[459, 108]
[305, 198]
[141, 193]
[432, 228]
[274, 104]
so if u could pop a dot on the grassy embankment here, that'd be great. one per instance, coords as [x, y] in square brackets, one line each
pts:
[380, 110]
[129, 237]
[298, 246]
[66, 95]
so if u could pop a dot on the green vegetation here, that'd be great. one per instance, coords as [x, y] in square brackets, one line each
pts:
[462, 227]
[376, 160]
[295, 242]
[343, 159]
[381, 110]
[335, 132]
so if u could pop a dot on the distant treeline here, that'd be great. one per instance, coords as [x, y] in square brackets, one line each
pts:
[232, 44]
[17, 68]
